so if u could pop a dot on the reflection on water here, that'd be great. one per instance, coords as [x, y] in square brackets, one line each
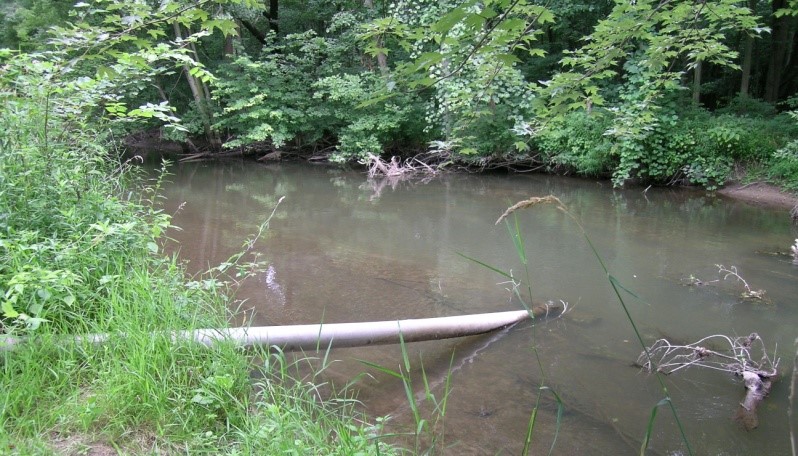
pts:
[342, 249]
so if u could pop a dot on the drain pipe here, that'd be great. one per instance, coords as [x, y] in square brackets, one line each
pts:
[336, 335]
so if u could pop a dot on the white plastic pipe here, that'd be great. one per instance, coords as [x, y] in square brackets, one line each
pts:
[310, 337]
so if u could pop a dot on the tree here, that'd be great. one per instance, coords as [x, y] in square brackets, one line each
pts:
[748, 50]
[780, 46]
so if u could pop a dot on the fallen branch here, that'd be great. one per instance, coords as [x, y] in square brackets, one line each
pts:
[735, 358]
[748, 293]
[757, 388]
[377, 167]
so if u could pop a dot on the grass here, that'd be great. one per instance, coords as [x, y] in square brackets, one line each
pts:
[142, 391]
[429, 432]
[81, 253]
[617, 287]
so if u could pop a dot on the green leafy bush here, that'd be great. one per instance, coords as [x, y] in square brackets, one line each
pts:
[691, 146]
[783, 166]
[577, 142]
[299, 91]
[360, 126]
[61, 228]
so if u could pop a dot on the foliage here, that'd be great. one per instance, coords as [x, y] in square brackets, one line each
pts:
[270, 98]
[298, 91]
[656, 43]
[81, 253]
[466, 56]
[692, 146]
[476, 62]
[366, 129]
[24, 23]
[577, 142]
[783, 166]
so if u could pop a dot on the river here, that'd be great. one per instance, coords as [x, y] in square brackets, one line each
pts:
[341, 249]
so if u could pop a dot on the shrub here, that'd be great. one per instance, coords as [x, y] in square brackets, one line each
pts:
[577, 142]
[690, 145]
[296, 92]
[783, 166]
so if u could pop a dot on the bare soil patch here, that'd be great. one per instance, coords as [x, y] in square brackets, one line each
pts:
[761, 194]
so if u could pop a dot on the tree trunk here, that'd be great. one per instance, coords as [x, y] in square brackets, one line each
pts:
[757, 388]
[382, 59]
[748, 51]
[229, 40]
[789, 85]
[778, 52]
[272, 16]
[201, 96]
[697, 82]
[257, 34]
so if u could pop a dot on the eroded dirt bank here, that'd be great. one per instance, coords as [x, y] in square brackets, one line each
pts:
[760, 194]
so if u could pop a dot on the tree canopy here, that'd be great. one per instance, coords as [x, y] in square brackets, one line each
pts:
[622, 88]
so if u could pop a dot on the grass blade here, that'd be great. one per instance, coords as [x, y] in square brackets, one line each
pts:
[384, 370]
[485, 265]
[560, 409]
[650, 426]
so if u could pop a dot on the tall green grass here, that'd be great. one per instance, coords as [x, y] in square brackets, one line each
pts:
[428, 411]
[81, 253]
[522, 289]
[617, 287]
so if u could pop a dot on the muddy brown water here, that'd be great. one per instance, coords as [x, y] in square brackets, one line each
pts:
[343, 249]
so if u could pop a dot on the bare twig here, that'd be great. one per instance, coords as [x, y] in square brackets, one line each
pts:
[734, 358]
[377, 167]
[748, 293]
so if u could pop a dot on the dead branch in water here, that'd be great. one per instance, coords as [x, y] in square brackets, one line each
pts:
[749, 293]
[377, 167]
[735, 358]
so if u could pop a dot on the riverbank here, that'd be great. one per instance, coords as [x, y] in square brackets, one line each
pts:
[761, 194]
[82, 253]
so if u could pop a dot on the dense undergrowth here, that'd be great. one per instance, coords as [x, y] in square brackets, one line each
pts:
[688, 145]
[80, 253]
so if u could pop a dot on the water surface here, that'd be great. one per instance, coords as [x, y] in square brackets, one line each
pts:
[343, 249]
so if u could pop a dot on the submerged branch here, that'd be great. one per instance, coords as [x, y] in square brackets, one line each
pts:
[734, 358]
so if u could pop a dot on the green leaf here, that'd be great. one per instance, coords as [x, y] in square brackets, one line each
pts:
[498, 271]
[44, 294]
[427, 59]
[34, 323]
[508, 59]
[449, 20]
[35, 309]
[8, 310]
[384, 370]
[153, 247]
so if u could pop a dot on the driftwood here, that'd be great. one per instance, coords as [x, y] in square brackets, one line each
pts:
[735, 358]
[757, 388]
